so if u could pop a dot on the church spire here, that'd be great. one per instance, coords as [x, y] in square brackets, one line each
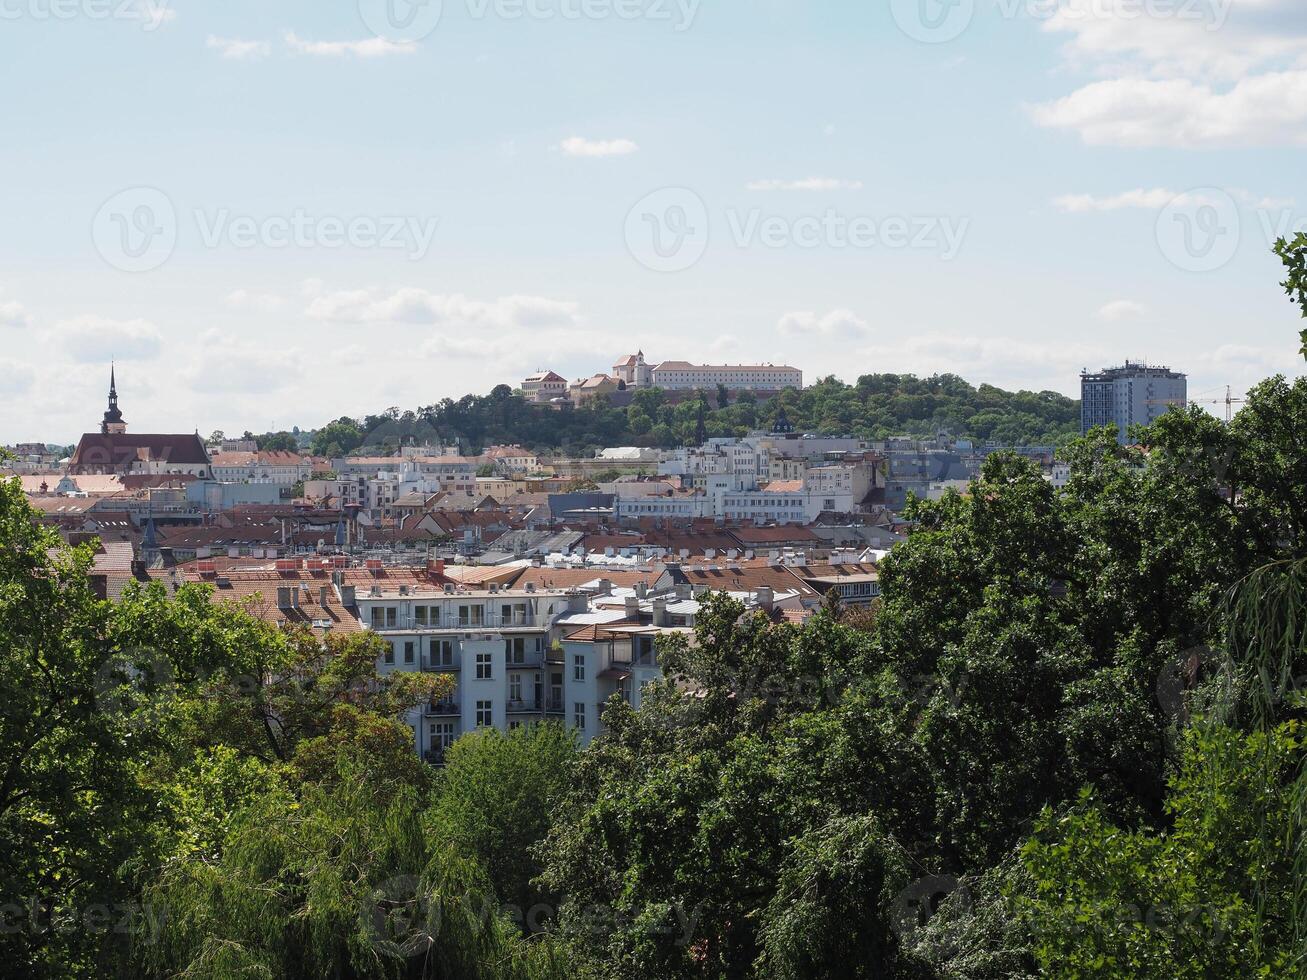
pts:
[113, 418]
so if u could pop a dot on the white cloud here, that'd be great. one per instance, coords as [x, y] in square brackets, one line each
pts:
[1196, 39]
[373, 47]
[417, 306]
[1157, 198]
[806, 184]
[1150, 199]
[1263, 110]
[96, 339]
[1120, 309]
[579, 146]
[14, 314]
[238, 50]
[1183, 74]
[15, 378]
[1003, 361]
[836, 323]
[224, 365]
[244, 299]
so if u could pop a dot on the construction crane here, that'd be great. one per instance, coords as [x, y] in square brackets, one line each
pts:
[1229, 401]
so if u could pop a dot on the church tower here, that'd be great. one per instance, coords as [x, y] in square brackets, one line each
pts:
[113, 424]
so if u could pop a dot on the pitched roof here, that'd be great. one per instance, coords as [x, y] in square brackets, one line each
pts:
[571, 578]
[122, 449]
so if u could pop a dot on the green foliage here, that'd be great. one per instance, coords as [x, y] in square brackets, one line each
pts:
[1294, 256]
[271, 442]
[1183, 903]
[344, 880]
[877, 406]
[496, 799]
[831, 911]
[69, 807]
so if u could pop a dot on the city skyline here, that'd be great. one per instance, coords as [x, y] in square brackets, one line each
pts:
[336, 232]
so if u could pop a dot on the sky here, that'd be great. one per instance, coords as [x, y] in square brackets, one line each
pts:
[276, 213]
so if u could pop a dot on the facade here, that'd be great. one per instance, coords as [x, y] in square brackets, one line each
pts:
[544, 386]
[633, 371]
[1135, 394]
[512, 459]
[587, 389]
[450, 474]
[681, 375]
[281, 468]
[497, 644]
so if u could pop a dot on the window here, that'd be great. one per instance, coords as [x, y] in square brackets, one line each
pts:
[515, 687]
[441, 734]
[484, 670]
[471, 615]
[378, 618]
[515, 650]
[578, 715]
[410, 653]
[390, 654]
[442, 653]
[578, 667]
[485, 714]
[420, 615]
[644, 651]
[392, 617]
[514, 725]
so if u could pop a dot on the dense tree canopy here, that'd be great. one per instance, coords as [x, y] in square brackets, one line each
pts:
[877, 406]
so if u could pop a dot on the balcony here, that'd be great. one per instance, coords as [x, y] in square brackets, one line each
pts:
[525, 661]
[434, 757]
[442, 709]
[554, 706]
[524, 707]
[432, 665]
[453, 624]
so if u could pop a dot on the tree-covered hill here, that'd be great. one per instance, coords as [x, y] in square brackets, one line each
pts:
[877, 406]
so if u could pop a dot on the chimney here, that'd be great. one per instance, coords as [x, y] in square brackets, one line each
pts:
[766, 598]
[660, 616]
[347, 597]
[324, 595]
[605, 587]
[632, 607]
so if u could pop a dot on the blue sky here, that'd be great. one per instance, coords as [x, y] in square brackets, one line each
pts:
[846, 187]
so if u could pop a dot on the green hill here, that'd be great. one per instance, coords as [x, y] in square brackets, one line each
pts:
[877, 406]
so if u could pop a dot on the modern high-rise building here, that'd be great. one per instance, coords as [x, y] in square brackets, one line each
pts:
[1134, 394]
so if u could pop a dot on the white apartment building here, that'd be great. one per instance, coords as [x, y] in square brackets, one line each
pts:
[681, 375]
[519, 656]
[544, 386]
[679, 505]
[717, 457]
[282, 468]
[498, 645]
[352, 492]
[512, 459]
[428, 474]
